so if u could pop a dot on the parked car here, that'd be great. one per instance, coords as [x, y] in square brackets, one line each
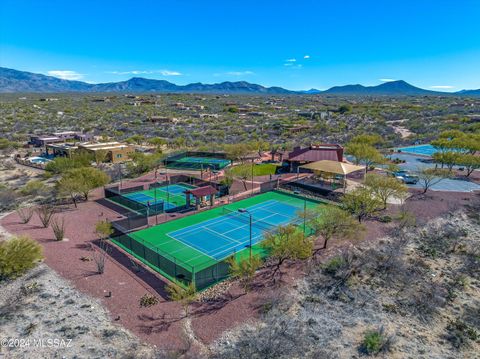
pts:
[405, 177]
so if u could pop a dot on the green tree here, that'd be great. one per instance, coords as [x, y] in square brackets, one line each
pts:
[287, 243]
[332, 221]
[86, 179]
[243, 172]
[361, 203]
[70, 186]
[428, 177]
[61, 165]
[470, 162]
[157, 142]
[447, 158]
[17, 255]
[364, 153]
[104, 229]
[244, 269]
[384, 187]
[345, 108]
[142, 163]
[185, 296]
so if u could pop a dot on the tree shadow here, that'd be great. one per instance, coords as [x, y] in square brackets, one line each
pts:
[156, 324]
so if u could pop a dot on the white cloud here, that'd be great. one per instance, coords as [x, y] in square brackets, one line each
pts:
[66, 74]
[306, 57]
[234, 73]
[387, 80]
[239, 73]
[442, 87]
[170, 73]
[291, 60]
[147, 72]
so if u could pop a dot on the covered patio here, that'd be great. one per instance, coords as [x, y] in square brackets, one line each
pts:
[332, 174]
[204, 196]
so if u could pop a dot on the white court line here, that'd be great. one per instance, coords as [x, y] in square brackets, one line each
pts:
[198, 250]
[215, 220]
[221, 234]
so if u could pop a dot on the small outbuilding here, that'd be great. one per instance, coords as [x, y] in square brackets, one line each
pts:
[202, 196]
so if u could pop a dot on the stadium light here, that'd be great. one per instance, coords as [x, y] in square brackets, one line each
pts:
[304, 212]
[244, 210]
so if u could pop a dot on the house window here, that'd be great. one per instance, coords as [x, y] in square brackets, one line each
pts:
[119, 155]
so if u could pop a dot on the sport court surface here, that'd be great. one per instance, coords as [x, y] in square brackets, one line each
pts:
[423, 150]
[172, 195]
[199, 162]
[201, 240]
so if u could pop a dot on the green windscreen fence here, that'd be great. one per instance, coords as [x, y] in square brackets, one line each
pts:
[195, 160]
[182, 251]
[171, 267]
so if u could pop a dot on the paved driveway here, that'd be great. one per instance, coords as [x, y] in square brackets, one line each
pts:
[416, 163]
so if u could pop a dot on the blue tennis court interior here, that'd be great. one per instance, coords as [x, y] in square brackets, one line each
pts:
[423, 150]
[172, 195]
[222, 236]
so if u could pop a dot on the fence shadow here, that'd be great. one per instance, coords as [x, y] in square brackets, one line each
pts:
[135, 268]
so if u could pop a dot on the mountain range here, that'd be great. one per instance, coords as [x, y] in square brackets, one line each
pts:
[13, 81]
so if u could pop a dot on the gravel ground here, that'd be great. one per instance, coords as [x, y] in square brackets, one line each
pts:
[42, 306]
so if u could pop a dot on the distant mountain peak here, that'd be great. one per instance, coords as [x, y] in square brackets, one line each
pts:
[12, 81]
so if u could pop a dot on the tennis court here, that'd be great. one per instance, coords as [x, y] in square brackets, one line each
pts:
[194, 248]
[220, 237]
[186, 161]
[423, 150]
[172, 195]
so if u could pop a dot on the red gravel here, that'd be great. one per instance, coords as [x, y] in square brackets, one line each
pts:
[162, 324]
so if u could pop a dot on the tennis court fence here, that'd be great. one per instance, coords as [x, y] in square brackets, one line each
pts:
[185, 160]
[116, 195]
[193, 181]
[171, 267]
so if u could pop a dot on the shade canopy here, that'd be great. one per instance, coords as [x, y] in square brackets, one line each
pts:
[202, 191]
[336, 167]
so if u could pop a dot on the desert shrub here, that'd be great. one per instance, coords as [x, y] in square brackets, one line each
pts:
[17, 255]
[148, 300]
[425, 299]
[100, 256]
[33, 188]
[333, 265]
[385, 219]
[460, 334]
[7, 198]
[58, 226]
[25, 214]
[439, 240]
[45, 213]
[375, 341]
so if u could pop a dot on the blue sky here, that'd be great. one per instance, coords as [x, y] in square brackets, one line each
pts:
[294, 44]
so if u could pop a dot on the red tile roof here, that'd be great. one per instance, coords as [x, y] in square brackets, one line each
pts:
[316, 153]
[202, 191]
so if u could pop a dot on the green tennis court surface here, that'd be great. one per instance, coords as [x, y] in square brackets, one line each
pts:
[172, 195]
[195, 247]
[190, 162]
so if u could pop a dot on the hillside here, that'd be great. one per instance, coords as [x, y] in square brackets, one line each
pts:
[12, 81]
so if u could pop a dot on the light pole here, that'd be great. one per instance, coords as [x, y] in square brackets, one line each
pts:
[243, 210]
[252, 176]
[304, 213]
[156, 205]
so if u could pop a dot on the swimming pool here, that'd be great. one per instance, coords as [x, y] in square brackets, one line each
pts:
[38, 160]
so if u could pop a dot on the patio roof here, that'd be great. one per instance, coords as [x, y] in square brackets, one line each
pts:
[202, 191]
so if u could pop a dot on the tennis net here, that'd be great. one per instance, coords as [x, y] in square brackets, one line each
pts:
[245, 218]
